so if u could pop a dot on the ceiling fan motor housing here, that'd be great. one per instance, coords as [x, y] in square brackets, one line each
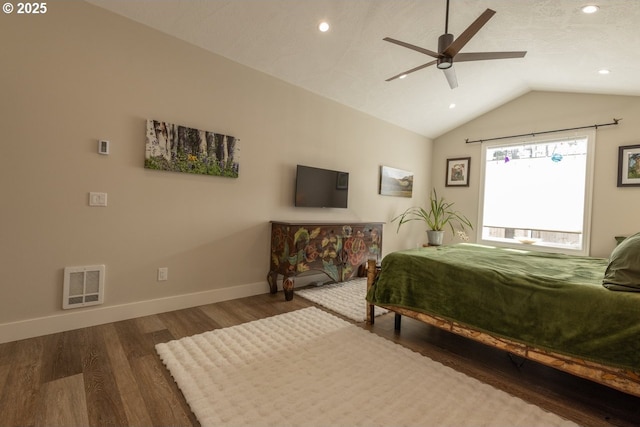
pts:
[449, 49]
[444, 41]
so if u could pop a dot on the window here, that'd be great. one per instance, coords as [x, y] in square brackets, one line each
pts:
[537, 194]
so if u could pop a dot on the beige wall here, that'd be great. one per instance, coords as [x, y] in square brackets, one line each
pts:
[615, 210]
[79, 74]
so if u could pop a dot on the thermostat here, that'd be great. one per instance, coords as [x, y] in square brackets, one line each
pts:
[103, 146]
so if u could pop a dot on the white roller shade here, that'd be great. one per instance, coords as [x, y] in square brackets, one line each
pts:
[539, 186]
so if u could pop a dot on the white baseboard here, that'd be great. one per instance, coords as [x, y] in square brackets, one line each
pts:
[97, 315]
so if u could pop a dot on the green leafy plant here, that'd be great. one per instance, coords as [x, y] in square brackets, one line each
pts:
[437, 217]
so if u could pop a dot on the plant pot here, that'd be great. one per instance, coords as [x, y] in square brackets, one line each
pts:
[435, 237]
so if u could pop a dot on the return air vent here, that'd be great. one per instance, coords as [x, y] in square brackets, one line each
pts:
[83, 286]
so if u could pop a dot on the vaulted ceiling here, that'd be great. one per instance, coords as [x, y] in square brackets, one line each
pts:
[350, 63]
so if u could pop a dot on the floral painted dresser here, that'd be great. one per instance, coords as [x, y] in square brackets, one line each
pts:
[337, 249]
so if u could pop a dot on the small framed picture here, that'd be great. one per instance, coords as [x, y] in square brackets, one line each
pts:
[458, 172]
[395, 182]
[629, 166]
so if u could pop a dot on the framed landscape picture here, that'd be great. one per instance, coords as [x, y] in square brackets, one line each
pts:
[458, 172]
[629, 166]
[395, 182]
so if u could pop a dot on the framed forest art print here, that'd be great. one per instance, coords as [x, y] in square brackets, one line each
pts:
[177, 148]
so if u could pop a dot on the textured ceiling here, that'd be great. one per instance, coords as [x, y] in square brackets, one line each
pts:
[350, 63]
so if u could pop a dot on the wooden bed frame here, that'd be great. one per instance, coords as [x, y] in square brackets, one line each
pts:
[617, 378]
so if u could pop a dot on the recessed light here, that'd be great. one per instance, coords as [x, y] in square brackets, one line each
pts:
[324, 26]
[591, 8]
[604, 71]
[452, 106]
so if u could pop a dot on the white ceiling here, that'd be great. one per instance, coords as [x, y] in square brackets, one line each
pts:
[350, 63]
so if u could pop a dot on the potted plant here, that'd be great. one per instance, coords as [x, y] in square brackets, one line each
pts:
[436, 217]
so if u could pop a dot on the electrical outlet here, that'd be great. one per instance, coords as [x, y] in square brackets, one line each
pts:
[103, 147]
[163, 274]
[97, 199]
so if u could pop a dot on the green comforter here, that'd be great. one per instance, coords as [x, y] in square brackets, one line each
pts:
[552, 301]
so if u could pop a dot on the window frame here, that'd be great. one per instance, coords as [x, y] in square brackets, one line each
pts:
[590, 134]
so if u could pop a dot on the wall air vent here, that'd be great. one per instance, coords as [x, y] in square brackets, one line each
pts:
[83, 286]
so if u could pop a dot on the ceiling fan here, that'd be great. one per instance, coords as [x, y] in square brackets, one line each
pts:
[448, 49]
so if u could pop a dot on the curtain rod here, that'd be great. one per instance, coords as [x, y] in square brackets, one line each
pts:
[615, 122]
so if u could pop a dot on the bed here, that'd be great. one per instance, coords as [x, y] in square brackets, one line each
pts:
[564, 311]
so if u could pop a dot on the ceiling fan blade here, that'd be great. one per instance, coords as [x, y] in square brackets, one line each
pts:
[450, 74]
[412, 47]
[481, 56]
[471, 30]
[411, 70]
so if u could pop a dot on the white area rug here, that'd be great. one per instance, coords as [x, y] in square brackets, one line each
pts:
[311, 368]
[346, 298]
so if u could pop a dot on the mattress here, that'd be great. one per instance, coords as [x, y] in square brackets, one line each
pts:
[552, 301]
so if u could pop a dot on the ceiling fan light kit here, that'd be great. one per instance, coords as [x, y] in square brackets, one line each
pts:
[449, 49]
[444, 63]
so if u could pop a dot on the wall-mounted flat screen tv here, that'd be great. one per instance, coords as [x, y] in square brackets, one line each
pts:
[321, 188]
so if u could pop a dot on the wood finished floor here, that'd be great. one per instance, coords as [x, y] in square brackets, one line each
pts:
[111, 375]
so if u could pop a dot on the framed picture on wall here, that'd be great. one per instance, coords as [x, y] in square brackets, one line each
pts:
[629, 166]
[395, 182]
[458, 172]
